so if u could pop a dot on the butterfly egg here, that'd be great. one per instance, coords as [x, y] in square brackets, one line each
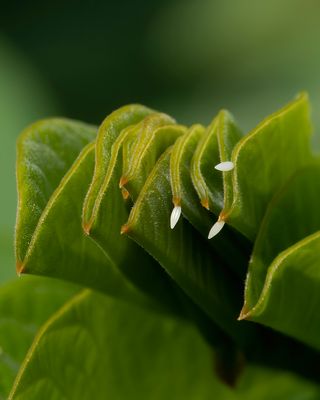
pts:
[175, 215]
[225, 166]
[216, 228]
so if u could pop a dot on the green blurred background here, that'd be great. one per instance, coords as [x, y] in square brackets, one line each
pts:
[185, 57]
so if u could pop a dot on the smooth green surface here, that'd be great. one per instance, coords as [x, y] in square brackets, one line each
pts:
[292, 214]
[25, 304]
[115, 351]
[282, 290]
[264, 160]
[290, 298]
[109, 349]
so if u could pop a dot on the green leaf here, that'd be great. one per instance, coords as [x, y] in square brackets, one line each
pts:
[25, 304]
[183, 253]
[108, 349]
[282, 288]
[231, 248]
[105, 210]
[266, 384]
[215, 145]
[45, 152]
[75, 232]
[228, 135]
[153, 135]
[206, 155]
[57, 246]
[108, 134]
[264, 160]
[60, 249]
[96, 348]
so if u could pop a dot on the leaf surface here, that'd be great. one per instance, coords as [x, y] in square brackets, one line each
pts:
[25, 304]
[58, 247]
[264, 160]
[282, 288]
[105, 210]
[109, 349]
[63, 251]
[183, 253]
[227, 245]
[45, 152]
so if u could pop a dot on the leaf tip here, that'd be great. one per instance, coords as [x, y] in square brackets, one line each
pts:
[86, 226]
[123, 181]
[244, 313]
[205, 203]
[125, 193]
[20, 267]
[125, 229]
[176, 201]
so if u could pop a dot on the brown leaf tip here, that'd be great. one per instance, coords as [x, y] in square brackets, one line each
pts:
[205, 203]
[223, 216]
[123, 182]
[125, 193]
[244, 313]
[176, 201]
[86, 226]
[19, 267]
[125, 229]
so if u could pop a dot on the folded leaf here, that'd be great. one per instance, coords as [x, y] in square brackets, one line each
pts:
[282, 291]
[264, 160]
[215, 145]
[103, 217]
[104, 214]
[227, 245]
[154, 134]
[108, 134]
[60, 249]
[45, 152]
[183, 253]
